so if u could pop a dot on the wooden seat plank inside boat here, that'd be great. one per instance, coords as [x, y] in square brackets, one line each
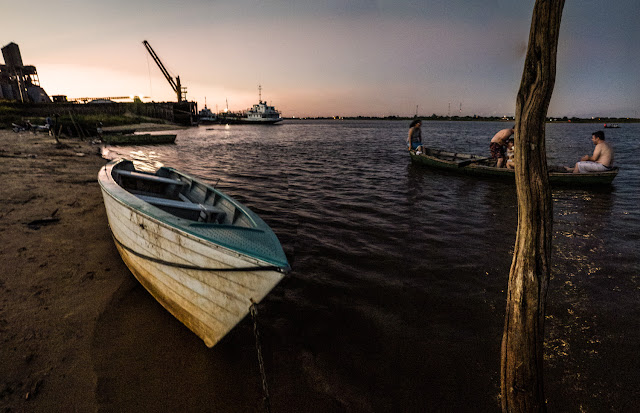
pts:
[164, 192]
[186, 209]
[148, 177]
[148, 184]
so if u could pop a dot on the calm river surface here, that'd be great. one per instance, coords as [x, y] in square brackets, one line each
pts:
[397, 295]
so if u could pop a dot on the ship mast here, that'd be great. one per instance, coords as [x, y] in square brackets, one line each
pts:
[260, 93]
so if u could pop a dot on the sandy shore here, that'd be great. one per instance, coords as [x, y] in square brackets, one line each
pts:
[60, 269]
[77, 331]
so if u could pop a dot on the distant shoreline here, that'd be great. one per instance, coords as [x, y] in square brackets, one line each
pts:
[11, 112]
[468, 119]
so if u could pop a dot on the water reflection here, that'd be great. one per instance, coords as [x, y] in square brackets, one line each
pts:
[147, 160]
[400, 272]
[581, 220]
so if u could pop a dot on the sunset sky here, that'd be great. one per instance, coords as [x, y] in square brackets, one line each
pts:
[330, 57]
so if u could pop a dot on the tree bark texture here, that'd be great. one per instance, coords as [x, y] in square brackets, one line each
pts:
[521, 380]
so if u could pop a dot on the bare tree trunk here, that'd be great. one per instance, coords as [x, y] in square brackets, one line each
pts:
[521, 380]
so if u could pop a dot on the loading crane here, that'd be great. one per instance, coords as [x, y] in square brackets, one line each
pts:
[181, 91]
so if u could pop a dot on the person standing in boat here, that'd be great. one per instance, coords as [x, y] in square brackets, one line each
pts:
[498, 146]
[600, 161]
[414, 140]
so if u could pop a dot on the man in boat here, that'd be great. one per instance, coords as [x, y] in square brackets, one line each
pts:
[498, 146]
[600, 161]
[414, 140]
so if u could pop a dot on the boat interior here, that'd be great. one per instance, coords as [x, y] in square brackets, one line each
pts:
[455, 157]
[180, 196]
[486, 166]
[463, 159]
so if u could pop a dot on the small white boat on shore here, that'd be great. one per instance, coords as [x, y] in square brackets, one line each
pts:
[201, 254]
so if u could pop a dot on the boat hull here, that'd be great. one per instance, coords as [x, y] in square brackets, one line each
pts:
[199, 282]
[450, 161]
[260, 121]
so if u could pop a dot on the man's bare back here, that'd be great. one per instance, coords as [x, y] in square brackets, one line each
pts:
[603, 154]
[502, 136]
[498, 144]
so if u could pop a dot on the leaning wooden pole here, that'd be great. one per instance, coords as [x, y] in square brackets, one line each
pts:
[521, 378]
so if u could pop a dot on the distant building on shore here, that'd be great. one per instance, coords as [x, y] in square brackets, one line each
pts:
[17, 81]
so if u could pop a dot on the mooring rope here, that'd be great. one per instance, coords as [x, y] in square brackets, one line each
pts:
[195, 267]
[263, 375]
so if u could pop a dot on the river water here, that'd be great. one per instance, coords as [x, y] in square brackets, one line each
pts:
[397, 295]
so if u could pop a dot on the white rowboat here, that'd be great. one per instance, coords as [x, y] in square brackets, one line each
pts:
[203, 255]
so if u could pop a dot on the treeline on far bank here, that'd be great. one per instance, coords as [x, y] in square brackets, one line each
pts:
[598, 119]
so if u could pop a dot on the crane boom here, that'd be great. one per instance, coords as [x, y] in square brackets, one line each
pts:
[175, 84]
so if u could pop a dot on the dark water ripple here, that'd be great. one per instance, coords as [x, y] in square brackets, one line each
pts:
[397, 297]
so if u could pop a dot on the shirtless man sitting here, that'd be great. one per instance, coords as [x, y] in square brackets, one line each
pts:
[600, 161]
[498, 145]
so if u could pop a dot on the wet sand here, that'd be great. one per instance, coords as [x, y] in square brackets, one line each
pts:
[60, 269]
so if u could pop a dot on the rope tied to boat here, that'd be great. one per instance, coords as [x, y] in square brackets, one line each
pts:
[256, 332]
[196, 267]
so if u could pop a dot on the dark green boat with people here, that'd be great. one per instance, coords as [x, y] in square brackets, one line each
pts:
[485, 167]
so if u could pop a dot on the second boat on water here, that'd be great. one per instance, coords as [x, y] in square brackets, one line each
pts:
[203, 255]
[485, 167]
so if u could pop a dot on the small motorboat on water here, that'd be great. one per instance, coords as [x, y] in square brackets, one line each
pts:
[485, 167]
[203, 255]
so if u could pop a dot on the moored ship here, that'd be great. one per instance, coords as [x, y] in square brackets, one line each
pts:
[261, 112]
[206, 116]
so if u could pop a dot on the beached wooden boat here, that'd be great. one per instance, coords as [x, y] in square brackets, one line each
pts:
[138, 139]
[203, 255]
[485, 167]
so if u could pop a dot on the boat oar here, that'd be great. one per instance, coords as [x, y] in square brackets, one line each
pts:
[470, 161]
